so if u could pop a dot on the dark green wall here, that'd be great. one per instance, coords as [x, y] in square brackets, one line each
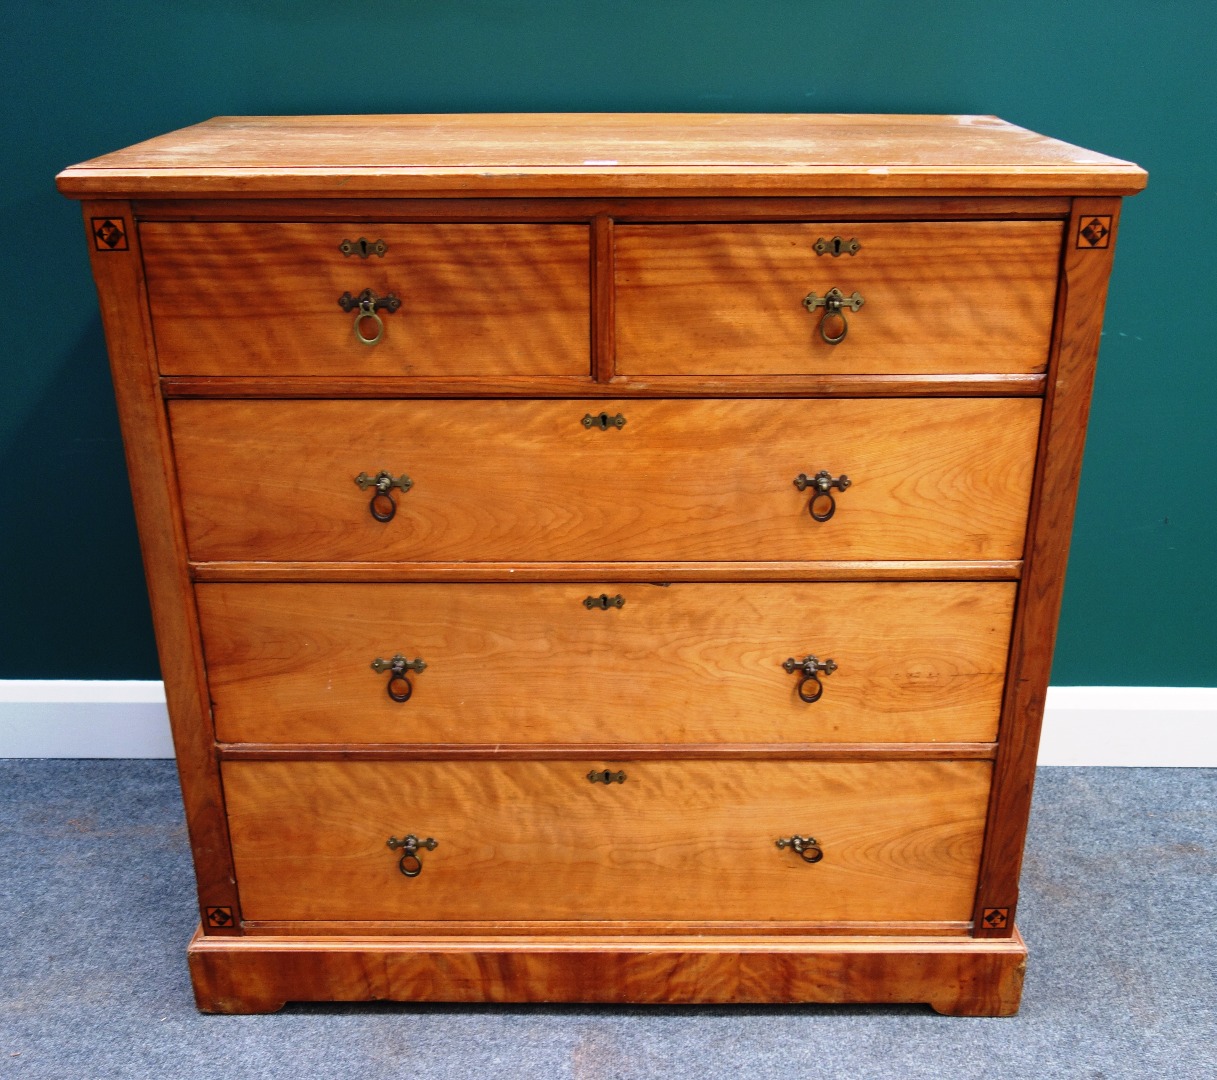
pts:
[1128, 78]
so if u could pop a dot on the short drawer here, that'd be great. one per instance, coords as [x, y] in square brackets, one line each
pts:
[562, 663]
[529, 481]
[263, 298]
[687, 841]
[937, 298]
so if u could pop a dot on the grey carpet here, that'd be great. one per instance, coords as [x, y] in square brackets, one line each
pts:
[95, 910]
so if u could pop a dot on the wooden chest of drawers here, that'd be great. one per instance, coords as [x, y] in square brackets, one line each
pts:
[605, 558]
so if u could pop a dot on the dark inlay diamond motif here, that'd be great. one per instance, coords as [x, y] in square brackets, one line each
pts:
[996, 918]
[109, 234]
[1095, 232]
[219, 916]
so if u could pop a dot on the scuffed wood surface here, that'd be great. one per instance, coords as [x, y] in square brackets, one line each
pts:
[595, 153]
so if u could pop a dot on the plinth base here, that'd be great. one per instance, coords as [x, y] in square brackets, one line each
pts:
[955, 976]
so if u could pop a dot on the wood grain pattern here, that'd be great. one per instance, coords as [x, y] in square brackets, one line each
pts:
[261, 298]
[573, 154]
[945, 297]
[956, 977]
[678, 840]
[696, 663]
[1080, 323]
[525, 481]
[120, 291]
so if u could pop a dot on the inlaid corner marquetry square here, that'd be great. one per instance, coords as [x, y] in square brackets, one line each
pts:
[109, 234]
[996, 918]
[220, 917]
[1094, 232]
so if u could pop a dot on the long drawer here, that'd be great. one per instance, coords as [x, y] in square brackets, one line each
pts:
[934, 297]
[684, 841]
[262, 298]
[689, 663]
[527, 481]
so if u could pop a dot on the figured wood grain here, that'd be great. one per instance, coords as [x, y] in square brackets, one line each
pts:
[261, 298]
[956, 977]
[154, 491]
[525, 481]
[939, 297]
[677, 840]
[699, 663]
[573, 154]
[1080, 322]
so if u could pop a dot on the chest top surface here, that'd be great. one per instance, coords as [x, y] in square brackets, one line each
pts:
[588, 153]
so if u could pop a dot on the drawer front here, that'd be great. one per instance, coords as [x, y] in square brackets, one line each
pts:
[526, 481]
[258, 298]
[937, 297]
[676, 840]
[700, 663]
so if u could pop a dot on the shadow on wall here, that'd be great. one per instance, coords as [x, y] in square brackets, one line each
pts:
[74, 592]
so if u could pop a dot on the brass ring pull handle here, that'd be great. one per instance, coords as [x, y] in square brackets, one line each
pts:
[834, 303]
[822, 505]
[806, 847]
[382, 505]
[399, 686]
[367, 304]
[410, 864]
[810, 689]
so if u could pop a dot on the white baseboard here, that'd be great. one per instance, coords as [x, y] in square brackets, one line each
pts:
[1146, 726]
[1155, 726]
[79, 718]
